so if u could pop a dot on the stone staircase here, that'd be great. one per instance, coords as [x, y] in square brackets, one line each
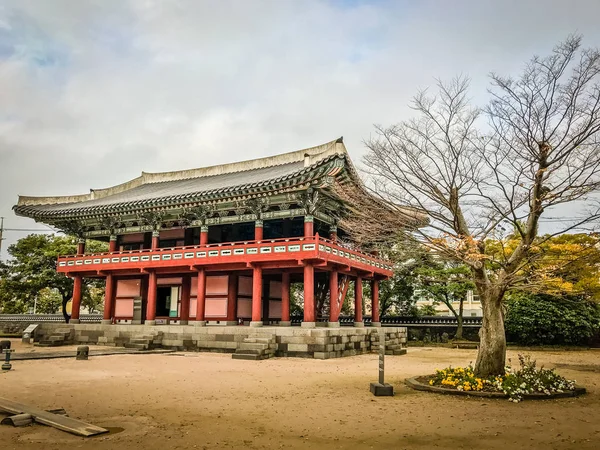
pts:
[58, 337]
[256, 349]
[140, 342]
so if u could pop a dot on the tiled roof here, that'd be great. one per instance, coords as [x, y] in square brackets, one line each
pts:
[182, 185]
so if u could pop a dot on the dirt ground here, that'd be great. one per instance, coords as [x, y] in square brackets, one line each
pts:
[209, 401]
[21, 348]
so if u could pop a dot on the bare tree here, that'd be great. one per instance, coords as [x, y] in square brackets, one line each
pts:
[530, 151]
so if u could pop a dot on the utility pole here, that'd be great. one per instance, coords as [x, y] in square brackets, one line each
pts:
[1, 237]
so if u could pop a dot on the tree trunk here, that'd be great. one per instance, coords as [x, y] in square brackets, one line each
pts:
[492, 347]
[64, 309]
[459, 327]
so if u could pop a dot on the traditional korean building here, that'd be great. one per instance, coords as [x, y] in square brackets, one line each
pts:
[220, 244]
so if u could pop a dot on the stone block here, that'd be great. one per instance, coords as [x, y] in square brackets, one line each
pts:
[316, 348]
[298, 347]
[225, 337]
[382, 390]
[321, 355]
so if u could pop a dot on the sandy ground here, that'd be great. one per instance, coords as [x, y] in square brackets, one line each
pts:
[209, 401]
[19, 347]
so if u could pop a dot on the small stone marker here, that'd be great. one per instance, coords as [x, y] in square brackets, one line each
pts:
[382, 389]
[29, 333]
[7, 365]
[82, 353]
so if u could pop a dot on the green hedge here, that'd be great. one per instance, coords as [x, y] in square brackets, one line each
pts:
[548, 320]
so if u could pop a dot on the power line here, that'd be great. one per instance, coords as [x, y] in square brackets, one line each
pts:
[26, 230]
[39, 230]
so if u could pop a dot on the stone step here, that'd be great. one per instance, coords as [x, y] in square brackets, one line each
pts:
[240, 351]
[140, 341]
[246, 356]
[256, 340]
[55, 338]
[138, 346]
[252, 346]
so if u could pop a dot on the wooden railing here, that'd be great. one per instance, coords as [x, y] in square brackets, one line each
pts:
[403, 321]
[229, 252]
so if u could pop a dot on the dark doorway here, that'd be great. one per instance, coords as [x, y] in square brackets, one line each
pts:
[163, 301]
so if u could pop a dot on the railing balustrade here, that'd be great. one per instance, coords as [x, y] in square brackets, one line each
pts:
[405, 321]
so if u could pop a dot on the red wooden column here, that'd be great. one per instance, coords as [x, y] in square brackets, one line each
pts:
[204, 235]
[358, 291]
[309, 296]
[375, 320]
[258, 230]
[151, 303]
[109, 290]
[80, 247]
[333, 233]
[112, 243]
[309, 226]
[256, 297]
[201, 299]
[155, 239]
[285, 300]
[186, 287]
[77, 283]
[334, 313]
[76, 300]
[232, 293]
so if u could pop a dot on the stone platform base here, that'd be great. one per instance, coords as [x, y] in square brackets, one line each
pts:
[319, 343]
[382, 390]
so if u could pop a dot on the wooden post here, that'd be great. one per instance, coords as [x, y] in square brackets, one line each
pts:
[112, 243]
[258, 230]
[309, 296]
[285, 300]
[333, 233]
[155, 239]
[151, 303]
[232, 294]
[204, 235]
[358, 291]
[108, 299]
[80, 247]
[201, 298]
[375, 320]
[76, 302]
[308, 226]
[256, 297]
[186, 286]
[334, 309]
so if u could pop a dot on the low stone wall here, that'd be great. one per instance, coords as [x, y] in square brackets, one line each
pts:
[440, 334]
[320, 343]
[14, 327]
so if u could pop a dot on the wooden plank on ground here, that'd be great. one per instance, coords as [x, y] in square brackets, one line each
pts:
[60, 422]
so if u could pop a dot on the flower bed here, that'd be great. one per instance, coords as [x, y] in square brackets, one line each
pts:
[526, 382]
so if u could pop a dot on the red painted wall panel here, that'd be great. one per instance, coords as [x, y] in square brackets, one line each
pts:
[128, 288]
[216, 307]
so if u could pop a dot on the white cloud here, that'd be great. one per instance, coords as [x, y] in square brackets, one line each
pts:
[95, 92]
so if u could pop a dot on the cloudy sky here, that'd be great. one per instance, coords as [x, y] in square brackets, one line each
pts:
[94, 92]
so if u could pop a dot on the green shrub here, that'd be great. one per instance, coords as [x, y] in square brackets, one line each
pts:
[548, 320]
